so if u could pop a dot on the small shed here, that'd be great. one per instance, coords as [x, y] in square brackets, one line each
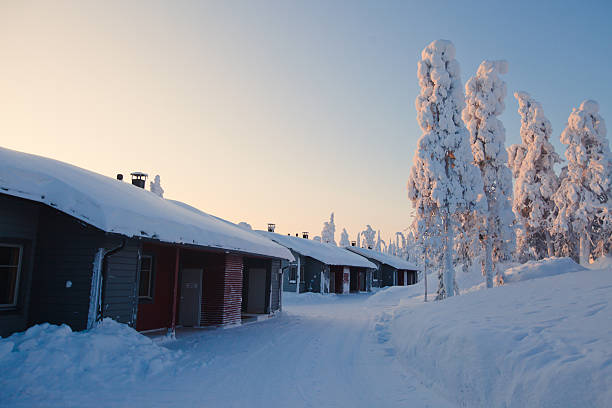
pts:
[323, 268]
[391, 270]
[79, 246]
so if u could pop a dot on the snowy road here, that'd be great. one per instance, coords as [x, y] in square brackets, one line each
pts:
[319, 353]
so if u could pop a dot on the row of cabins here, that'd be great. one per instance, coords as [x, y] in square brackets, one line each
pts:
[325, 268]
[77, 247]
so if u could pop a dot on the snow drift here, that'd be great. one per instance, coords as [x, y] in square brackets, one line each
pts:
[111, 351]
[541, 269]
[539, 343]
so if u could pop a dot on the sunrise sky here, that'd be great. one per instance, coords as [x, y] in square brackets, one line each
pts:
[275, 111]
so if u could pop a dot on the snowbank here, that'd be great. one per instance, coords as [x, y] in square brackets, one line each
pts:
[541, 269]
[292, 298]
[539, 343]
[110, 353]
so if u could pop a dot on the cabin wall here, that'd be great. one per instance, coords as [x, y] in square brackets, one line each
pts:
[387, 273]
[313, 270]
[62, 276]
[276, 276]
[121, 281]
[19, 225]
[156, 313]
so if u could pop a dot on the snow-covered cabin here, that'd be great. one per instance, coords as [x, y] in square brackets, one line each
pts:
[323, 268]
[77, 246]
[391, 270]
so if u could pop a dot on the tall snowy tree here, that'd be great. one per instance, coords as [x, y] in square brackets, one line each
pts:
[369, 237]
[328, 234]
[155, 187]
[444, 181]
[344, 238]
[583, 198]
[485, 94]
[381, 245]
[532, 163]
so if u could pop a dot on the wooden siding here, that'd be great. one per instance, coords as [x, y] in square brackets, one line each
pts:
[65, 252]
[275, 297]
[121, 284]
[19, 225]
[157, 312]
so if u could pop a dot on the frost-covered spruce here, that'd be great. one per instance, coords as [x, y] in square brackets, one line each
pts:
[532, 163]
[344, 238]
[329, 231]
[369, 236]
[484, 100]
[444, 181]
[381, 245]
[583, 198]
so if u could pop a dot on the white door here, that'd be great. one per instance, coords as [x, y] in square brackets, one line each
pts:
[346, 280]
[257, 291]
[191, 297]
[405, 278]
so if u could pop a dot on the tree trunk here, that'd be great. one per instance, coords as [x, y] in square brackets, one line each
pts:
[549, 244]
[449, 277]
[585, 248]
[488, 262]
[425, 279]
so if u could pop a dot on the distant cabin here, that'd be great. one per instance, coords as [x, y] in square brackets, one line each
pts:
[391, 270]
[77, 247]
[323, 268]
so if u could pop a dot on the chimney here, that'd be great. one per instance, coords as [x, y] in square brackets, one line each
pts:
[139, 179]
[271, 227]
[296, 234]
[353, 243]
[119, 176]
[305, 234]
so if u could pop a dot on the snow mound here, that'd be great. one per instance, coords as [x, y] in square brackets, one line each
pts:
[541, 343]
[541, 269]
[33, 360]
[292, 298]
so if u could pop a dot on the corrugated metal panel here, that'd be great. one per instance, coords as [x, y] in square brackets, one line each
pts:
[121, 286]
[232, 300]
[222, 297]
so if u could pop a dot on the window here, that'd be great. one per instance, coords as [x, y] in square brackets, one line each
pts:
[293, 274]
[145, 290]
[10, 269]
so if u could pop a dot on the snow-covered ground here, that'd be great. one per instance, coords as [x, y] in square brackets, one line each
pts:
[538, 342]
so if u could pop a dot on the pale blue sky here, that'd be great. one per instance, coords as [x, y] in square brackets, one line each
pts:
[276, 111]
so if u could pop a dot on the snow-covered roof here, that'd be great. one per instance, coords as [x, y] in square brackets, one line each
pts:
[393, 261]
[119, 207]
[326, 253]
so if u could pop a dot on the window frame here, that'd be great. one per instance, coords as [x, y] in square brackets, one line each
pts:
[147, 299]
[12, 306]
[293, 274]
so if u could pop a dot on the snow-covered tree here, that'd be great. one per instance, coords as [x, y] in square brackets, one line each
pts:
[444, 181]
[369, 237]
[583, 200]
[381, 245]
[344, 238]
[359, 239]
[245, 225]
[329, 231]
[532, 163]
[484, 96]
[155, 187]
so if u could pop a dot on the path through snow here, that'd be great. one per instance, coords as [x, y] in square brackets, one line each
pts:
[322, 352]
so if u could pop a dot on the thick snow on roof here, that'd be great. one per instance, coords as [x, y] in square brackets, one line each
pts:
[326, 253]
[394, 261]
[119, 207]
